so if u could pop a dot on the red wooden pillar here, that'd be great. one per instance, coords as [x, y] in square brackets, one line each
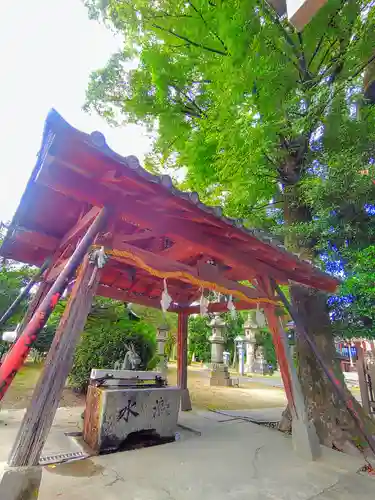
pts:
[42, 291]
[182, 358]
[274, 326]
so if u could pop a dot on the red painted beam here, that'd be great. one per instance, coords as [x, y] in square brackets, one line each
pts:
[76, 231]
[247, 262]
[124, 296]
[36, 239]
[220, 248]
[75, 185]
[144, 235]
[218, 307]
[188, 232]
[204, 272]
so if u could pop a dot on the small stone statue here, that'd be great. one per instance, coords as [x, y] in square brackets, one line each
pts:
[131, 361]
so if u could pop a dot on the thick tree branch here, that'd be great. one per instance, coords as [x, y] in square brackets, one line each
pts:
[206, 24]
[190, 112]
[362, 68]
[166, 15]
[191, 42]
[254, 208]
[317, 48]
[190, 100]
[326, 54]
[275, 19]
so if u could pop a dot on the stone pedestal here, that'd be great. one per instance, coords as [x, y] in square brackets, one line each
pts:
[113, 413]
[161, 339]
[220, 375]
[219, 371]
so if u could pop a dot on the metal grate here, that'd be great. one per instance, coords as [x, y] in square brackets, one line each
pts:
[63, 457]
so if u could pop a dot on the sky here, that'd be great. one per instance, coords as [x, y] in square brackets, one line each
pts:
[48, 49]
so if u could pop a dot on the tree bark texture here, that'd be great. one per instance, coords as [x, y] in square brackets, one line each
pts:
[334, 425]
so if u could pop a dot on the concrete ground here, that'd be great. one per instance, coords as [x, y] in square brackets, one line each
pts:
[215, 457]
[67, 422]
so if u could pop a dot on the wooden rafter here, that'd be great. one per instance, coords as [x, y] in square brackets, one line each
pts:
[78, 230]
[218, 307]
[190, 232]
[37, 239]
[125, 296]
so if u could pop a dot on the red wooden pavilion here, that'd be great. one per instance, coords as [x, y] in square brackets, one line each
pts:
[82, 193]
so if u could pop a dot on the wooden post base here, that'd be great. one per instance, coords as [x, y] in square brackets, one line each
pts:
[20, 483]
[185, 400]
[182, 361]
[305, 439]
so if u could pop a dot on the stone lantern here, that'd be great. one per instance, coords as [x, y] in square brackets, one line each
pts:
[161, 338]
[251, 329]
[219, 371]
[260, 363]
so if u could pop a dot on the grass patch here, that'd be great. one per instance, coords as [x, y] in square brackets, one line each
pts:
[22, 387]
[27, 377]
[249, 395]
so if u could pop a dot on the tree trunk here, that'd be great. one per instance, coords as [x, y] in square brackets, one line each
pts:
[333, 423]
[369, 83]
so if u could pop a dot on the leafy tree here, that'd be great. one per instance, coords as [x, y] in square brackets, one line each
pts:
[13, 277]
[104, 341]
[233, 330]
[44, 340]
[261, 118]
[199, 333]
[354, 308]
[264, 339]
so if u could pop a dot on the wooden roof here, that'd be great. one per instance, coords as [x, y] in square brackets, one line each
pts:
[167, 229]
